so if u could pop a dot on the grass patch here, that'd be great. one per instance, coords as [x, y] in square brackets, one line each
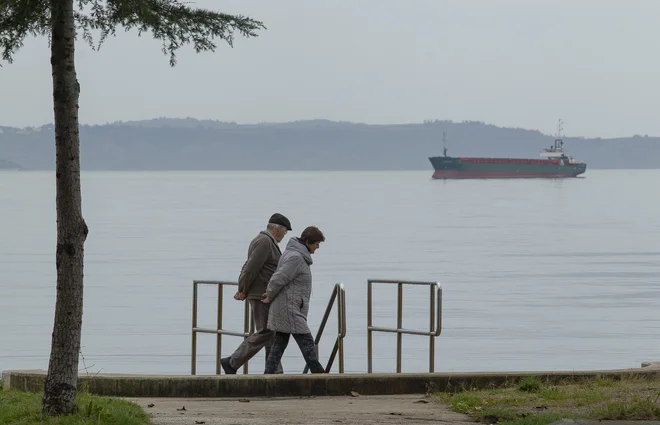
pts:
[533, 402]
[21, 408]
[530, 384]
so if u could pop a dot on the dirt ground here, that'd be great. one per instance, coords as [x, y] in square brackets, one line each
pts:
[348, 410]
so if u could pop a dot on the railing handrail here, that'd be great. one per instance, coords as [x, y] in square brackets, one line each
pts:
[435, 322]
[338, 294]
[217, 282]
[405, 282]
[248, 325]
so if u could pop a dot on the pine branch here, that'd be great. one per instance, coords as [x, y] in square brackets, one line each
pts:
[172, 22]
[18, 19]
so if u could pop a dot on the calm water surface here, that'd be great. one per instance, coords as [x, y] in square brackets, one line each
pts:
[537, 274]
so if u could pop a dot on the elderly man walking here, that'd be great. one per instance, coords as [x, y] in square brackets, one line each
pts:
[262, 258]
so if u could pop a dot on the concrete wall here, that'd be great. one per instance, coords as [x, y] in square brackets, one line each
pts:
[302, 385]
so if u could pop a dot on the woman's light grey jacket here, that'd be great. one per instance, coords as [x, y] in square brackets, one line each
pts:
[290, 288]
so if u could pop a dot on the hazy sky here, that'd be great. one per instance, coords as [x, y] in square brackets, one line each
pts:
[522, 63]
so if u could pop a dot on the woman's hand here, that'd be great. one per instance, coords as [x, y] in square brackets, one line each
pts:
[265, 299]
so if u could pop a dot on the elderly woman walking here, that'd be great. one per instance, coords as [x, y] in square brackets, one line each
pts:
[288, 291]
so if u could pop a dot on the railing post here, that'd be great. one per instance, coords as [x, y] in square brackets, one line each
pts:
[193, 362]
[433, 289]
[369, 325]
[341, 325]
[399, 326]
[247, 327]
[218, 341]
[438, 327]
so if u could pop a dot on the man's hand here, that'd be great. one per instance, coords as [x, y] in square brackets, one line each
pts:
[265, 299]
[239, 296]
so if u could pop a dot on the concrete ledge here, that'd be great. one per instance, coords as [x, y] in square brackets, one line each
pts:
[600, 422]
[304, 385]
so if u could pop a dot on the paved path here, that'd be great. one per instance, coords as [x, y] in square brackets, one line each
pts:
[363, 410]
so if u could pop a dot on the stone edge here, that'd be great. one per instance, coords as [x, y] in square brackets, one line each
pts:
[119, 385]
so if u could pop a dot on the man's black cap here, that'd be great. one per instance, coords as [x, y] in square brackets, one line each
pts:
[278, 218]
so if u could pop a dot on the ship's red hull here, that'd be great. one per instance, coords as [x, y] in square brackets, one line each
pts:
[455, 174]
[503, 168]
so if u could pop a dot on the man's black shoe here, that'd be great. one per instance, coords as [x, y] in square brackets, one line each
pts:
[226, 366]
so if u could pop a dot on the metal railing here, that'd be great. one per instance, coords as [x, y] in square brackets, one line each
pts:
[435, 322]
[248, 325]
[339, 295]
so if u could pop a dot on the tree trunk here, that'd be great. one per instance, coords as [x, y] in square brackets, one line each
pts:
[61, 383]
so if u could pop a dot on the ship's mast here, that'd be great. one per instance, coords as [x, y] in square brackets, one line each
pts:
[556, 150]
[559, 142]
[444, 144]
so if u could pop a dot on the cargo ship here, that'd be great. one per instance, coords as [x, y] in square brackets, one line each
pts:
[553, 164]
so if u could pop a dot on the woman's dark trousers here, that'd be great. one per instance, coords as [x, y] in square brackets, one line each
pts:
[307, 348]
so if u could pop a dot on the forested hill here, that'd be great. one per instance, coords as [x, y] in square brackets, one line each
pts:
[189, 144]
[9, 165]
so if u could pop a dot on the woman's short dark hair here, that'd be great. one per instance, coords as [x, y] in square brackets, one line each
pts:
[312, 235]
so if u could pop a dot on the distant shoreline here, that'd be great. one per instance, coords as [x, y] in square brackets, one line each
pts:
[323, 145]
